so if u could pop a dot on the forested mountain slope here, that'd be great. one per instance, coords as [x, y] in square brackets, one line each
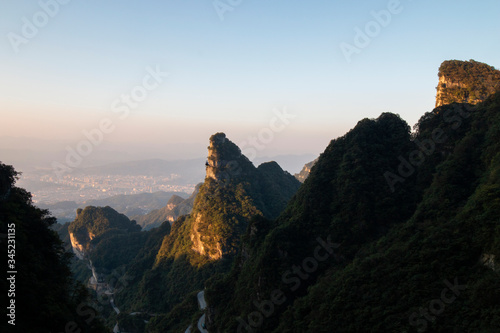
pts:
[391, 232]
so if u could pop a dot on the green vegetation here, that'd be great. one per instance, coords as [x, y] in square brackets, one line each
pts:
[177, 320]
[225, 204]
[346, 197]
[351, 250]
[469, 81]
[222, 210]
[164, 268]
[454, 225]
[397, 251]
[47, 298]
[467, 72]
[158, 288]
[93, 222]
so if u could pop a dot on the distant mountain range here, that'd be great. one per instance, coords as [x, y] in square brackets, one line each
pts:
[32, 154]
[97, 182]
[135, 206]
[176, 207]
[189, 170]
[130, 205]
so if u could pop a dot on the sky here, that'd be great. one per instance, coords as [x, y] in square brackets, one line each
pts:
[278, 77]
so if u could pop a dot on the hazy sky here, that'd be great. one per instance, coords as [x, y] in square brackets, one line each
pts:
[65, 68]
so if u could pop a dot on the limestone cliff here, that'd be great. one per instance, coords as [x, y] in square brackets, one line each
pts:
[201, 243]
[306, 170]
[466, 82]
[225, 160]
[92, 222]
[222, 208]
[79, 249]
[234, 191]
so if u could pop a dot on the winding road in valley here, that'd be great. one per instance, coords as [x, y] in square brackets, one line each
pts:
[94, 280]
[109, 292]
[203, 305]
[201, 300]
[201, 322]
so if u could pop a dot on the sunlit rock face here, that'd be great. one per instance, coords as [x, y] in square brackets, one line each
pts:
[225, 160]
[92, 222]
[202, 245]
[79, 247]
[306, 170]
[466, 82]
[234, 190]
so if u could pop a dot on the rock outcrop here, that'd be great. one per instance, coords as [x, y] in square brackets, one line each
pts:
[201, 243]
[234, 191]
[78, 248]
[225, 160]
[92, 222]
[306, 170]
[466, 82]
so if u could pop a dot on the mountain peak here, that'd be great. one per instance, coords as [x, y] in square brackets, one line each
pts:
[92, 222]
[466, 82]
[218, 138]
[234, 191]
[225, 160]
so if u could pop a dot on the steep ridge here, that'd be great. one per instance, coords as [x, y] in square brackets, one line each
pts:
[115, 250]
[384, 226]
[437, 271]
[204, 242]
[345, 201]
[233, 192]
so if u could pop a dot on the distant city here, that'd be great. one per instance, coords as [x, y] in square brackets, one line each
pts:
[49, 189]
